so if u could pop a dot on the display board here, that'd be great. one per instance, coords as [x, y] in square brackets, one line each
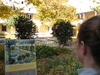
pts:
[20, 55]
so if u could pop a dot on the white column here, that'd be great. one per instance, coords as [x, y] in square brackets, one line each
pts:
[11, 30]
[83, 16]
[95, 13]
[38, 28]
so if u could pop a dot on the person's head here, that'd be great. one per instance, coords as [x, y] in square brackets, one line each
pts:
[88, 39]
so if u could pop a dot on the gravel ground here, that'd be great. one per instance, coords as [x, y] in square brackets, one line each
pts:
[52, 41]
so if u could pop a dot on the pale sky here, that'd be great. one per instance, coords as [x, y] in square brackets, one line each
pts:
[18, 3]
[81, 5]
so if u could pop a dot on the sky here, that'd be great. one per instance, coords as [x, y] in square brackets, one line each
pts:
[18, 3]
[81, 5]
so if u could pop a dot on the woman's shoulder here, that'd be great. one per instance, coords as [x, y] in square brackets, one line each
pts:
[88, 71]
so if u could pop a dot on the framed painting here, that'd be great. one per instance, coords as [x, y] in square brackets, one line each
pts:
[20, 57]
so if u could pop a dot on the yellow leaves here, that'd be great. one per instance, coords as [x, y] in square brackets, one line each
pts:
[35, 2]
[5, 11]
[97, 8]
[53, 10]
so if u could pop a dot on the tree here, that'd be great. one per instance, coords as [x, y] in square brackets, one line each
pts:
[53, 10]
[7, 11]
[63, 31]
[35, 2]
[97, 6]
[24, 27]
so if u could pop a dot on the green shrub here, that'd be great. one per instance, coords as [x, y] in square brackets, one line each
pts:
[52, 66]
[44, 51]
[62, 50]
[63, 31]
[1, 46]
[67, 64]
[2, 54]
[24, 27]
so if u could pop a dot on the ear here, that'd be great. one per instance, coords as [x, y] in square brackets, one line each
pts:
[83, 48]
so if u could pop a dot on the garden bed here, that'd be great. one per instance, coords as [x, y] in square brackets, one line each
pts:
[56, 61]
[2, 68]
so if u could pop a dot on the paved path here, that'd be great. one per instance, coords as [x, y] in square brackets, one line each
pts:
[24, 72]
[52, 41]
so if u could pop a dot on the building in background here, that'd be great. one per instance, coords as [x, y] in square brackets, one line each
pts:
[83, 11]
[28, 10]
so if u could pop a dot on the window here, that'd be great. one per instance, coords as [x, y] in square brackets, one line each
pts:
[29, 16]
[22, 2]
[3, 28]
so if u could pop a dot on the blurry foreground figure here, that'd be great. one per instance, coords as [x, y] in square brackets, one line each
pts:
[88, 46]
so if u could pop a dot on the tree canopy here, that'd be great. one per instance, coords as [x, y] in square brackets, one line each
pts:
[97, 6]
[53, 10]
[24, 27]
[35, 2]
[7, 11]
[63, 31]
[48, 10]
